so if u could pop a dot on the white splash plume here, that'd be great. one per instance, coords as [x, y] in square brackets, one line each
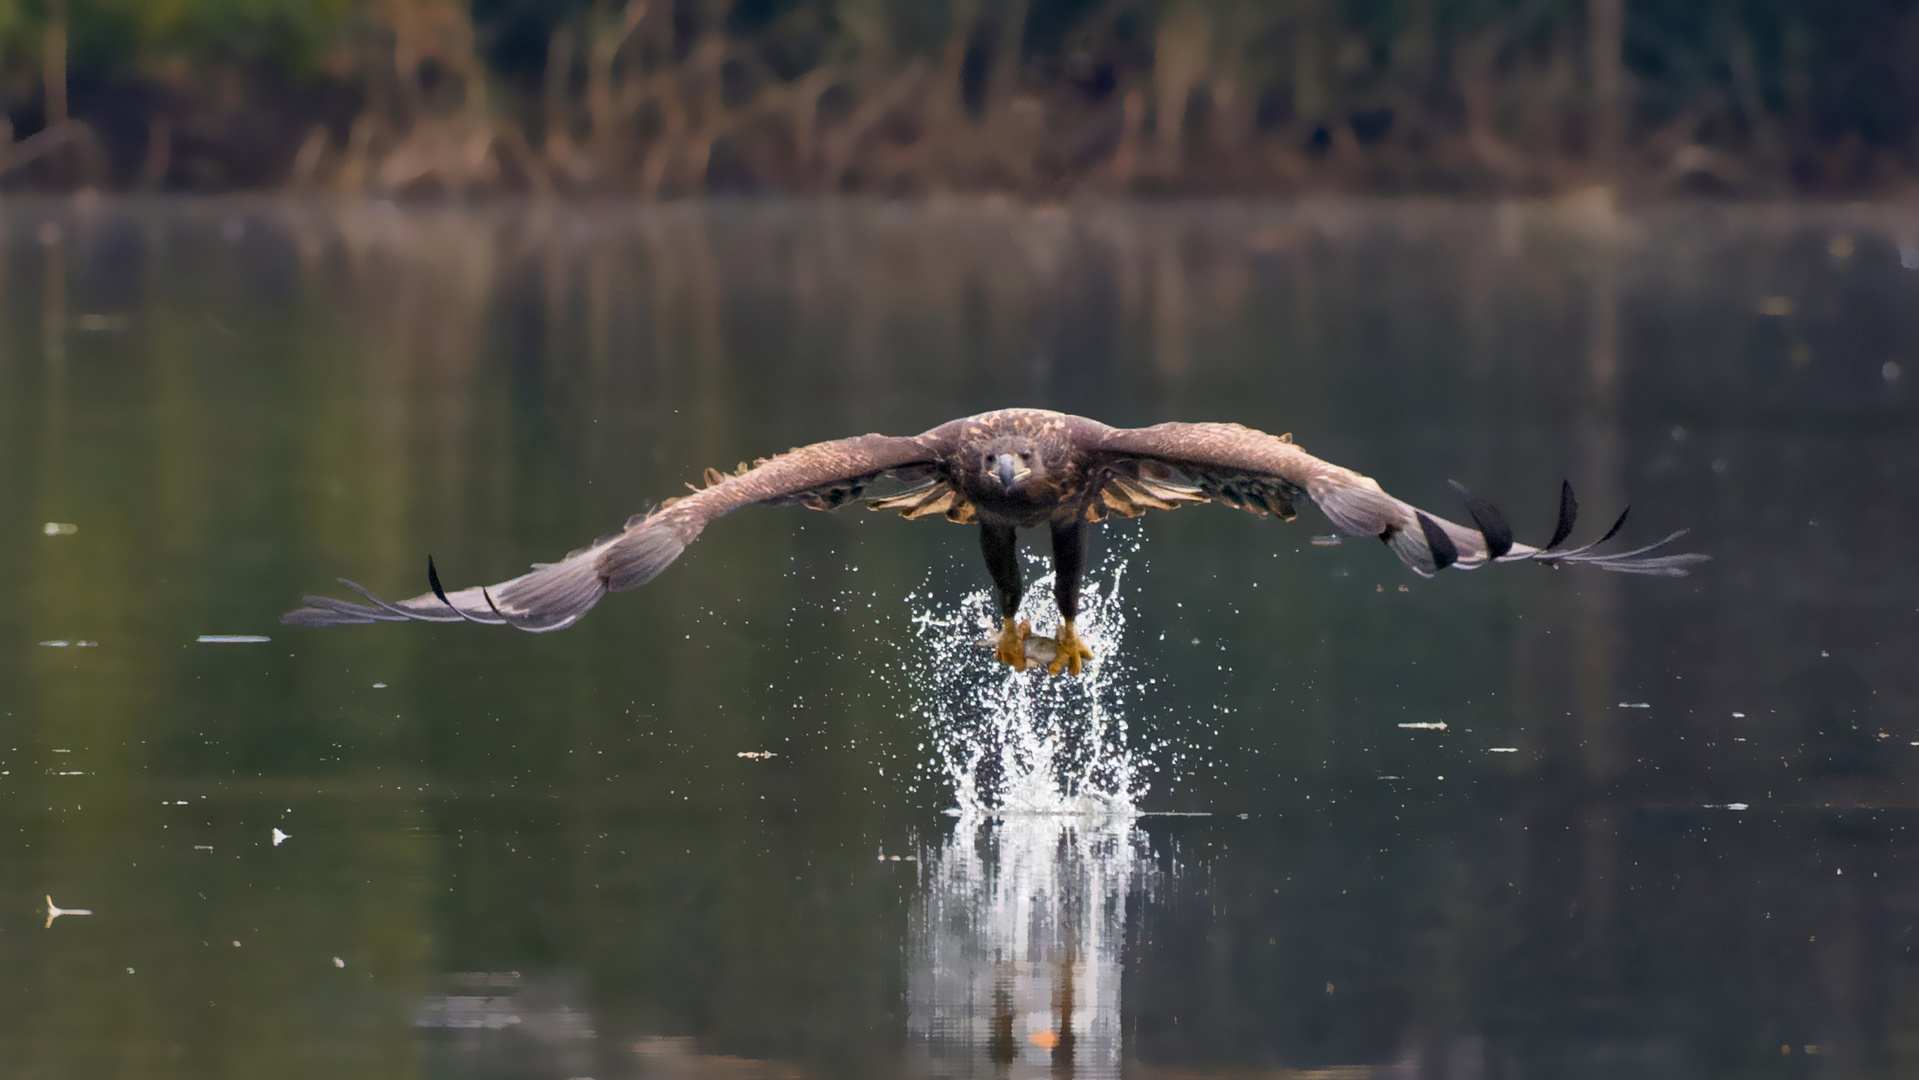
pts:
[1028, 742]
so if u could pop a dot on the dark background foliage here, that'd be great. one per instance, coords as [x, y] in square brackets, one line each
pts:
[1042, 98]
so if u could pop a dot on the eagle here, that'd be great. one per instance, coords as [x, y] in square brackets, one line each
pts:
[1004, 471]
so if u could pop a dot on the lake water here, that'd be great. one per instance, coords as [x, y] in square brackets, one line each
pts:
[730, 825]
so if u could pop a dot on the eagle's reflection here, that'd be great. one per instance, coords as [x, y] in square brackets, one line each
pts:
[1014, 968]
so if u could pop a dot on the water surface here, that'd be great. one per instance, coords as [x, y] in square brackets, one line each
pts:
[1665, 830]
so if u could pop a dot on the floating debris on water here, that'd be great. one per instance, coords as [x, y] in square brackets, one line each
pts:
[1738, 716]
[338, 963]
[1502, 749]
[54, 911]
[1635, 705]
[756, 755]
[280, 837]
[61, 644]
[232, 639]
[203, 847]
[1332, 540]
[1728, 806]
[1426, 725]
[60, 528]
[379, 686]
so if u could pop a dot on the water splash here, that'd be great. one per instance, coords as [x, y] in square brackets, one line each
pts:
[1027, 742]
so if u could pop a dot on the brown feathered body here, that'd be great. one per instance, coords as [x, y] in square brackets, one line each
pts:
[1085, 471]
[1014, 468]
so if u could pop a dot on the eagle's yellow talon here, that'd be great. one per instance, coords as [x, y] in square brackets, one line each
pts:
[1010, 649]
[1069, 650]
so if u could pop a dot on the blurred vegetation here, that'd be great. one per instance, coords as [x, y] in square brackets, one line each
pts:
[660, 98]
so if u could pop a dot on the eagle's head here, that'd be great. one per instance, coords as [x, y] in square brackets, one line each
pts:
[1010, 463]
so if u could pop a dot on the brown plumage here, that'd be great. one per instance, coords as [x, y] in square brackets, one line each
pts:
[1005, 470]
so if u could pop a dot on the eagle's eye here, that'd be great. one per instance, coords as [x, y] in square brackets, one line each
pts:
[1026, 455]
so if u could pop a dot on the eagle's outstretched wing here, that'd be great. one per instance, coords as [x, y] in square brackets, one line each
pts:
[1165, 465]
[824, 476]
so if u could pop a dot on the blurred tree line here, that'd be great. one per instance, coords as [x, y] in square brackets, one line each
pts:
[662, 98]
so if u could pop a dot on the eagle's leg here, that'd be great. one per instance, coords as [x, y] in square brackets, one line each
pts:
[1069, 566]
[1002, 561]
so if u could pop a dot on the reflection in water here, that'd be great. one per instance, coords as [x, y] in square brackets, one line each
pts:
[1016, 945]
[505, 1024]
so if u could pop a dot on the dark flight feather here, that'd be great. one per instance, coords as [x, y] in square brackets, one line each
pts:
[433, 580]
[1444, 552]
[1614, 531]
[1568, 513]
[1492, 523]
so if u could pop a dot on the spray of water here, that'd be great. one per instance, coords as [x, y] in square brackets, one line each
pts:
[1025, 742]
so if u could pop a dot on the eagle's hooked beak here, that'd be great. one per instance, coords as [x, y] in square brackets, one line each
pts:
[1011, 470]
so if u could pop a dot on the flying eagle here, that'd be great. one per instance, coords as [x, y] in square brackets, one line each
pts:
[1006, 470]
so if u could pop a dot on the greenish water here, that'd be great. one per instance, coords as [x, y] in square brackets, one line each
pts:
[514, 855]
